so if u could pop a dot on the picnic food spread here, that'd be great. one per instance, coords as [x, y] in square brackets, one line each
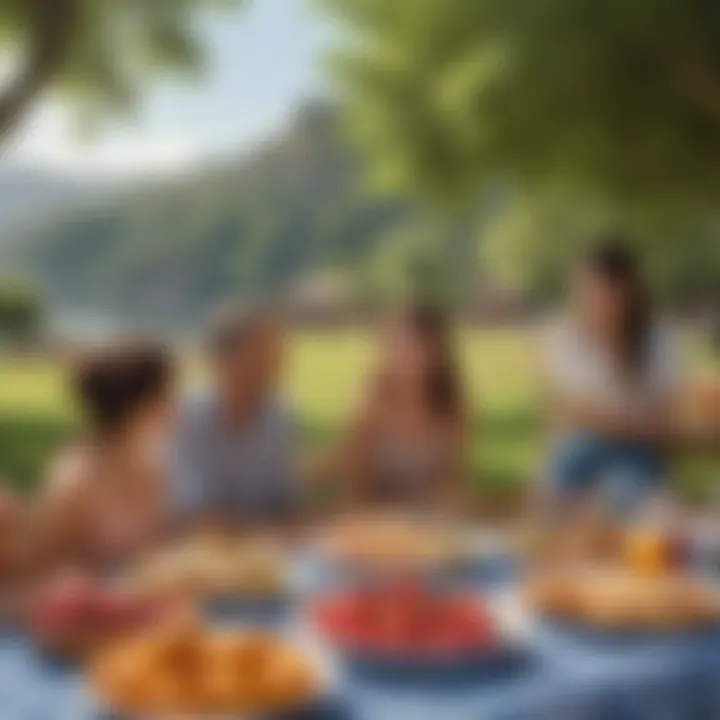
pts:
[619, 599]
[407, 619]
[145, 656]
[189, 671]
[645, 585]
[390, 541]
[215, 565]
[72, 614]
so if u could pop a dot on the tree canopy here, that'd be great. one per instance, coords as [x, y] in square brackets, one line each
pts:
[97, 53]
[591, 112]
[623, 95]
[532, 243]
[21, 313]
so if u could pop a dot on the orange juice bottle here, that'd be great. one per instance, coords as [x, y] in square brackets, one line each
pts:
[648, 551]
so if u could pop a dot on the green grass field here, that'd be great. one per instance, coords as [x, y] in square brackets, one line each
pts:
[324, 379]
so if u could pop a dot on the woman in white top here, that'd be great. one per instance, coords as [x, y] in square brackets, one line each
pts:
[614, 380]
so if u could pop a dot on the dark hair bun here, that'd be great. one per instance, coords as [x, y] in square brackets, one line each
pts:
[114, 383]
[612, 256]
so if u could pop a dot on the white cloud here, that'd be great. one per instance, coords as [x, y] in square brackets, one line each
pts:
[45, 142]
[118, 156]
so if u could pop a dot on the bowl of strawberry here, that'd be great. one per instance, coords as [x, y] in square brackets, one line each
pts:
[408, 630]
[72, 614]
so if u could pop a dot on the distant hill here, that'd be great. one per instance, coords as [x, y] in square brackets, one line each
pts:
[23, 191]
[251, 225]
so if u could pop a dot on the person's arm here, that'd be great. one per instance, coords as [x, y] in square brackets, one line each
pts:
[456, 493]
[567, 406]
[157, 489]
[58, 517]
[350, 461]
[15, 534]
[345, 466]
[703, 439]
[288, 489]
[656, 425]
[188, 504]
[701, 421]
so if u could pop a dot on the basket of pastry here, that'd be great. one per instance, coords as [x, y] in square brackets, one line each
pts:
[217, 569]
[585, 534]
[186, 671]
[389, 543]
[618, 601]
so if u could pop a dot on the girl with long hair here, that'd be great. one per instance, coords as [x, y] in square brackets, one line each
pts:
[614, 380]
[406, 445]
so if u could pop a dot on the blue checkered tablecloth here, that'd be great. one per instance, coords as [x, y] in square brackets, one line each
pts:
[662, 682]
[569, 678]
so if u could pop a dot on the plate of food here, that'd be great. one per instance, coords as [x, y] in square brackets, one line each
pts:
[189, 672]
[377, 546]
[408, 631]
[72, 615]
[617, 603]
[224, 573]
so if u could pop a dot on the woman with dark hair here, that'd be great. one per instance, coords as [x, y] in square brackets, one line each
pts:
[613, 373]
[105, 495]
[407, 443]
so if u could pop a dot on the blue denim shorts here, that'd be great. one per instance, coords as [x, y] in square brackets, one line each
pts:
[583, 464]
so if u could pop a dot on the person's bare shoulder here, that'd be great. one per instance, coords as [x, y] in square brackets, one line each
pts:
[366, 417]
[555, 345]
[68, 476]
[375, 398]
[554, 330]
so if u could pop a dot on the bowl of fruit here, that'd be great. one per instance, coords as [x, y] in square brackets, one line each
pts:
[407, 630]
[72, 615]
[187, 671]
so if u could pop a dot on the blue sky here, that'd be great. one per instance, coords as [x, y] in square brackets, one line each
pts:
[263, 62]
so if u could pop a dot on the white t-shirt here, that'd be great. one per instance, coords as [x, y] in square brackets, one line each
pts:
[581, 369]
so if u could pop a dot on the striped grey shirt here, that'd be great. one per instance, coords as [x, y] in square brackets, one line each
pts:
[245, 472]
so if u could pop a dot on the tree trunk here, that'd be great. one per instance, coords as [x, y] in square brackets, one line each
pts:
[50, 30]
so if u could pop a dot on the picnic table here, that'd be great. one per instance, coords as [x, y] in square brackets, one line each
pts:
[569, 677]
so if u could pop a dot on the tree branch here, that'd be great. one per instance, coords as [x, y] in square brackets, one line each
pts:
[50, 28]
[694, 72]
